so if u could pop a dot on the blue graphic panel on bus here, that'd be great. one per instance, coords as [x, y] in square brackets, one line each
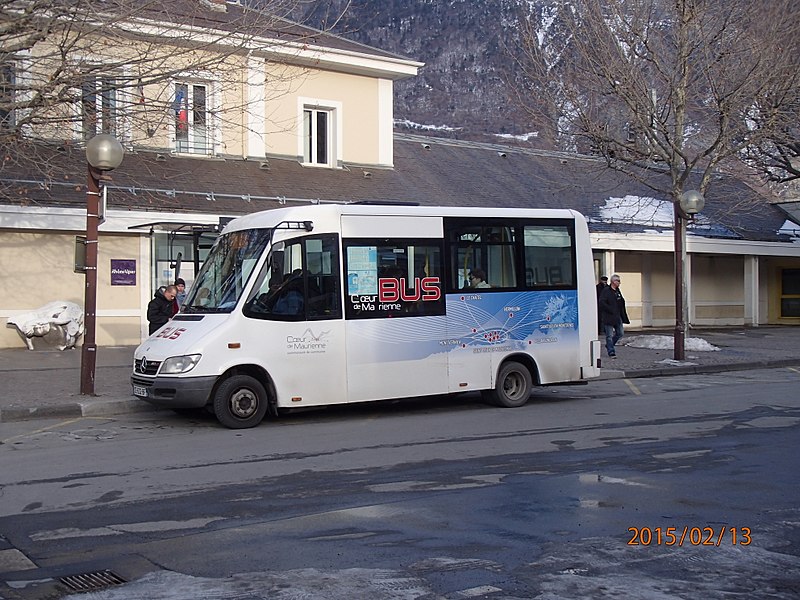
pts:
[512, 319]
[494, 322]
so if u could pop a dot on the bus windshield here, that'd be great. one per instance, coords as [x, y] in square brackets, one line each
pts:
[221, 281]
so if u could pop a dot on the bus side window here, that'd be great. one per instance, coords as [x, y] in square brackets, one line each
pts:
[485, 245]
[299, 281]
[549, 255]
[391, 278]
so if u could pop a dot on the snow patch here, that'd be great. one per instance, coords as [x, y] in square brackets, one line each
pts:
[421, 127]
[524, 137]
[638, 210]
[791, 229]
[666, 342]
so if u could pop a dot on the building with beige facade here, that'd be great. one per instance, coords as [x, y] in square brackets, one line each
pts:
[306, 117]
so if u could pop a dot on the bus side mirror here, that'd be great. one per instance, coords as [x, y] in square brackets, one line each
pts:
[308, 225]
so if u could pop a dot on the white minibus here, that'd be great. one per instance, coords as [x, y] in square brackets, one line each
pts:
[326, 304]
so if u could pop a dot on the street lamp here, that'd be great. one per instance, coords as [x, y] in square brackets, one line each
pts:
[103, 153]
[690, 203]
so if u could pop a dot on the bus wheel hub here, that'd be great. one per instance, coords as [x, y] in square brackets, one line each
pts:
[243, 403]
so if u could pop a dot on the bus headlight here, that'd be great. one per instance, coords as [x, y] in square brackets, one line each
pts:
[179, 364]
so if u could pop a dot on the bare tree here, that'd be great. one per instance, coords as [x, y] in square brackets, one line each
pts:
[72, 68]
[667, 91]
[684, 84]
[778, 157]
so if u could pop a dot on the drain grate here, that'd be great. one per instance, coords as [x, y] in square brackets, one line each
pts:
[88, 582]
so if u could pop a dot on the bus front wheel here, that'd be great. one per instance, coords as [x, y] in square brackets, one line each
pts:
[513, 387]
[240, 402]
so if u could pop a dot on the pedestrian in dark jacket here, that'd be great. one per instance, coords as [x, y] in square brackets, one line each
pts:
[159, 310]
[613, 314]
[603, 284]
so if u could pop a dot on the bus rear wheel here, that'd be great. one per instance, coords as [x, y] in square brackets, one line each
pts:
[513, 387]
[240, 402]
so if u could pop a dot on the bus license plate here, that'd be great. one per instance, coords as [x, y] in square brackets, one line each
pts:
[139, 391]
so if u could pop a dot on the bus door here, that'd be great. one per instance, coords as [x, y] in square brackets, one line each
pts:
[394, 307]
[294, 313]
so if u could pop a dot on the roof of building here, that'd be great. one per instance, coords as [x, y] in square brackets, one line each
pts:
[247, 19]
[428, 171]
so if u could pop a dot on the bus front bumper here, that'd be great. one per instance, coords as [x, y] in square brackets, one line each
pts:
[174, 392]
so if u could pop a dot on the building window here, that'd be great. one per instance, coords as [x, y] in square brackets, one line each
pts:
[790, 293]
[98, 106]
[7, 84]
[191, 118]
[317, 136]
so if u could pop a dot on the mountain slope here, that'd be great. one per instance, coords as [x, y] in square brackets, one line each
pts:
[463, 43]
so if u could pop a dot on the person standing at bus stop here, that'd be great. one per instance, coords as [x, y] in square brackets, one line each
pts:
[180, 295]
[159, 310]
[613, 314]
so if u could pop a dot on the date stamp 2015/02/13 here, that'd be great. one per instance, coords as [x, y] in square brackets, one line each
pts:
[689, 536]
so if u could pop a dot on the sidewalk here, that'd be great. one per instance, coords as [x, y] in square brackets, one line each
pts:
[739, 348]
[46, 383]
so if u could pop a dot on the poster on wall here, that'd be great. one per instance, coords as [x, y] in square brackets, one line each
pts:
[123, 271]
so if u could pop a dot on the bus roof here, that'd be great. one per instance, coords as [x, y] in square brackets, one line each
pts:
[327, 216]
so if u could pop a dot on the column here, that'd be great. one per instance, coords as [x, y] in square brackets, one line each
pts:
[751, 296]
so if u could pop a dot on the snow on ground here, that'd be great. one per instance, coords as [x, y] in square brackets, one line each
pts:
[665, 342]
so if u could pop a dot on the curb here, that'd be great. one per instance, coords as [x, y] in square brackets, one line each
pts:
[698, 369]
[8, 415]
[83, 408]
[115, 406]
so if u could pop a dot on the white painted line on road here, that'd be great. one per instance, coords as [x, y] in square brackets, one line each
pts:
[121, 528]
[71, 532]
[634, 389]
[479, 591]
[42, 430]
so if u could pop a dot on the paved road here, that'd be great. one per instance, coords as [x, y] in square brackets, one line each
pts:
[45, 383]
[422, 499]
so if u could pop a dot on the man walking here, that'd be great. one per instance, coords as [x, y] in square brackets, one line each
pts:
[613, 314]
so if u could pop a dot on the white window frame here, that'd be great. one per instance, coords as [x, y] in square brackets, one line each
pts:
[187, 103]
[107, 121]
[333, 132]
[211, 109]
[124, 99]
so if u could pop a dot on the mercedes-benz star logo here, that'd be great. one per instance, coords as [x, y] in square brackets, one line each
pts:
[143, 365]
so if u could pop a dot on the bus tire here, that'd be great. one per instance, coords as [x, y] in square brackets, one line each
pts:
[513, 387]
[240, 402]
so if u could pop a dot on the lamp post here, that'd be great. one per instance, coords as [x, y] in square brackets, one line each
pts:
[690, 203]
[103, 153]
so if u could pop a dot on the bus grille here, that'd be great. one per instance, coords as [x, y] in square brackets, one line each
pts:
[146, 367]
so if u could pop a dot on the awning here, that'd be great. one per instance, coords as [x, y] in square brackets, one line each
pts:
[176, 227]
